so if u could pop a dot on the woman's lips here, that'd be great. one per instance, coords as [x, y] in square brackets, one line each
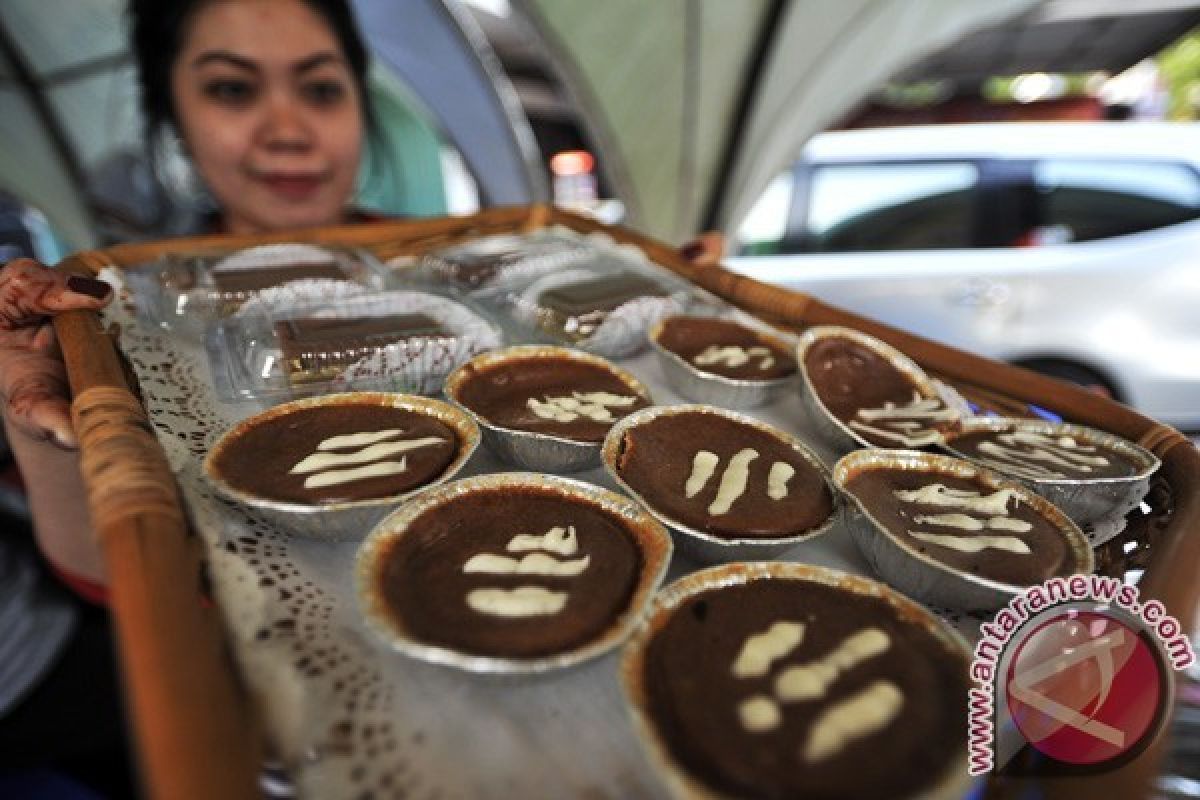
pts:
[291, 186]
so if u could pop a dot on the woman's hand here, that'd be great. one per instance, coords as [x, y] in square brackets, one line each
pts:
[33, 384]
[705, 250]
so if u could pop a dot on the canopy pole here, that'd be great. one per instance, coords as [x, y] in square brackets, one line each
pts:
[765, 45]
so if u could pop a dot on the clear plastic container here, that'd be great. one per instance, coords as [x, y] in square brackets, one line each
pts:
[185, 294]
[605, 307]
[403, 341]
[500, 260]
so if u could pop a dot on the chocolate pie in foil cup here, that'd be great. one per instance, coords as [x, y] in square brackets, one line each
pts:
[915, 420]
[432, 586]
[537, 449]
[958, 524]
[347, 519]
[714, 533]
[1096, 478]
[708, 387]
[946, 647]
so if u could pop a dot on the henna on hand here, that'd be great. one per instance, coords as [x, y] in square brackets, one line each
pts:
[33, 386]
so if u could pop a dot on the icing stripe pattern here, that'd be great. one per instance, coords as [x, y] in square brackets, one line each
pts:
[373, 458]
[1040, 457]
[839, 724]
[548, 555]
[991, 508]
[905, 424]
[593, 405]
[734, 356]
[734, 478]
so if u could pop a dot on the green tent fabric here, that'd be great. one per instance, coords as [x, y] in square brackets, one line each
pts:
[406, 176]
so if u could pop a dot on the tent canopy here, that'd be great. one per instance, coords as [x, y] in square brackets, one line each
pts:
[695, 104]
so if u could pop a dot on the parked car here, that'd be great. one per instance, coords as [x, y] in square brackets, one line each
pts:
[1070, 248]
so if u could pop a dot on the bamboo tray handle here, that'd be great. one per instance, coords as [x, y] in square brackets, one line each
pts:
[180, 687]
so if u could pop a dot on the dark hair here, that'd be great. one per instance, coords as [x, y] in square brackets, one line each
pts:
[158, 28]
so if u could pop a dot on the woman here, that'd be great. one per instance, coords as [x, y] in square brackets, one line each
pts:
[268, 100]
[274, 126]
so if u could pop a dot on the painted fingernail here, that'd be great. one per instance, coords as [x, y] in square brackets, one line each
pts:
[65, 440]
[692, 250]
[88, 286]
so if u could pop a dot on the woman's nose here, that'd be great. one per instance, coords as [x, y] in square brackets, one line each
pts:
[284, 125]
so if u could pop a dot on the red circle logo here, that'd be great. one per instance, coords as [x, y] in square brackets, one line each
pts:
[1085, 688]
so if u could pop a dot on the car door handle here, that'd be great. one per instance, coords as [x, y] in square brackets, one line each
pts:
[980, 293]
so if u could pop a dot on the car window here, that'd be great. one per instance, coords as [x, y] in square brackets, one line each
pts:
[765, 226]
[909, 206]
[1085, 200]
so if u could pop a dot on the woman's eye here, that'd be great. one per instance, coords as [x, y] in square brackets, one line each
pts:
[324, 93]
[230, 92]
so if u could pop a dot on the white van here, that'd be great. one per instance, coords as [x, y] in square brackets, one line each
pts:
[1071, 248]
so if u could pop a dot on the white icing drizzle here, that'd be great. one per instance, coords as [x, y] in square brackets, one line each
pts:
[811, 681]
[1033, 455]
[973, 544]
[532, 564]
[937, 494]
[859, 715]
[358, 439]
[777, 479]
[558, 539]
[899, 423]
[926, 436]
[994, 504]
[527, 601]
[918, 408]
[524, 601]
[759, 714]
[733, 481]
[317, 462]
[335, 477]
[761, 650]
[593, 405]
[734, 356]
[704, 464]
[966, 523]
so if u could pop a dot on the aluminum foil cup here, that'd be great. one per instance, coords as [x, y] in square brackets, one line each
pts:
[348, 520]
[527, 449]
[701, 545]
[921, 576]
[717, 390]
[835, 433]
[1090, 502]
[651, 538]
[954, 779]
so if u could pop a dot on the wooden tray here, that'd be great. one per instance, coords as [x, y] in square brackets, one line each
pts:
[197, 730]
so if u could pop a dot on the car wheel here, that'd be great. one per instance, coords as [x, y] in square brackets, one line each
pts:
[1072, 372]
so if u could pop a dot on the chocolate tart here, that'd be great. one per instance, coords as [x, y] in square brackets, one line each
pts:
[729, 485]
[510, 573]
[722, 362]
[950, 533]
[723, 716]
[329, 467]
[861, 392]
[545, 408]
[1094, 477]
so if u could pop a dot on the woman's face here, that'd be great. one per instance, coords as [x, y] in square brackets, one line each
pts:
[269, 113]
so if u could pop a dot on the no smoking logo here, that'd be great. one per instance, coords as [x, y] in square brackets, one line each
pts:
[1085, 688]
